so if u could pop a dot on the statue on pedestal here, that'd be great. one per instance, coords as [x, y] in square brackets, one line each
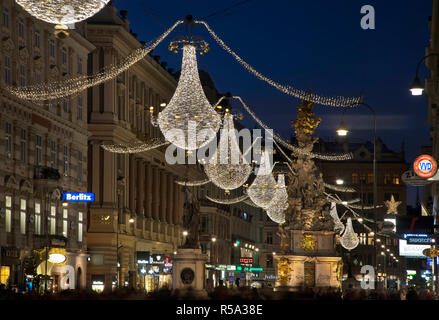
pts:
[191, 219]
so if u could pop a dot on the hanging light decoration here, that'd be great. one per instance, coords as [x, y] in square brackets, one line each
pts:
[189, 112]
[349, 239]
[338, 225]
[228, 201]
[135, 147]
[62, 12]
[263, 188]
[279, 203]
[227, 167]
[193, 183]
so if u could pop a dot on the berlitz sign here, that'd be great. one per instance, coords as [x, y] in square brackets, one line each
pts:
[78, 197]
[425, 166]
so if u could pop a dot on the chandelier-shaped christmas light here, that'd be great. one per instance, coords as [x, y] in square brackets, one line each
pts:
[227, 167]
[189, 121]
[338, 225]
[263, 188]
[349, 239]
[279, 203]
[62, 12]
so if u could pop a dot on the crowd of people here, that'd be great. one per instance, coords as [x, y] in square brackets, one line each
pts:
[224, 293]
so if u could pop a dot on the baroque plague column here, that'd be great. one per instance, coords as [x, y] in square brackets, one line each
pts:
[308, 258]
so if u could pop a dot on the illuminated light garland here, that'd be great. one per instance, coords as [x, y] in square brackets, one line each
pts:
[227, 168]
[364, 207]
[228, 201]
[62, 12]
[295, 149]
[193, 183]
[300, 94]
[349, 239]
[189, 113]
[339, 188]
[338, 225]
[60, 89]
[135, 147]
[279, 203]
[263, 188]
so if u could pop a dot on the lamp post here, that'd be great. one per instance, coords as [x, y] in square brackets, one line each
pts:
[417, 87]
[342, 131]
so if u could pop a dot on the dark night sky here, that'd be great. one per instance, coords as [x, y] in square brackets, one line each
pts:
[318, 43]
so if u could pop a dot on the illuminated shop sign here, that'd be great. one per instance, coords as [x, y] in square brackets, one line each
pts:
[78, 197]
[411, 250]
[144, 257]
[419, 239]
[246, 260]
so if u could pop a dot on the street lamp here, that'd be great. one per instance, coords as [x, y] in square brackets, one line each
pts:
[417, 88]
[342, 130]
[339, 181]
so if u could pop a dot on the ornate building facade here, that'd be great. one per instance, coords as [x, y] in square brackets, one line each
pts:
[43, 152]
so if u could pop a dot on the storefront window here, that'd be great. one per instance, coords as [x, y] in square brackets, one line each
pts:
[97, 283]
[4, 274]
[8, 215]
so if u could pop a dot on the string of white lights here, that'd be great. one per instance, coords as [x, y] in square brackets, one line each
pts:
[59, 89]
[301, 94]
[135, 147]
[228, 201]
[193, 183]
[339, 188]
[295, 149]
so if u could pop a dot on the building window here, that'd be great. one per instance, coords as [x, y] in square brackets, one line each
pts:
[37, 38]
[269, 238]
[65, 104]
[21, 27]
[80, 226]
[22, 216]
[5, 18]
[66, 159]
[5, 271]
[8, 138]
[23, 144]
[37, 218]
[204, 224]
[79, 65]
[354, 179]
[7, 70]
[80, 105]
[53, 153]
[65, 216]
[22, 77]
[370, 178]
[64, 55]
[395, 179]
[52, 219]
[38, 150]
[370, 198]
[79, 165]
[387, 179]
[370, 239]
[362, 238]
[52, 48]
[8, 213]
[269, 261]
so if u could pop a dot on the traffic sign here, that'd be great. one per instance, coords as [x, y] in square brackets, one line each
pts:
[425, 166]
[410, 178]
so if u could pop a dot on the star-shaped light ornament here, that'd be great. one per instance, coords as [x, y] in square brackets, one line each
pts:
[392, 205]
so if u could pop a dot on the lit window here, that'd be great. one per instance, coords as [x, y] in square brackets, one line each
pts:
[52, 220]
[65, 216]
[5, 271]
[395, 179]
[354, 179]
[23, 216]
[80, 226]
[362, 238]
[8, 215]
[37, 218]
[370, 178]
